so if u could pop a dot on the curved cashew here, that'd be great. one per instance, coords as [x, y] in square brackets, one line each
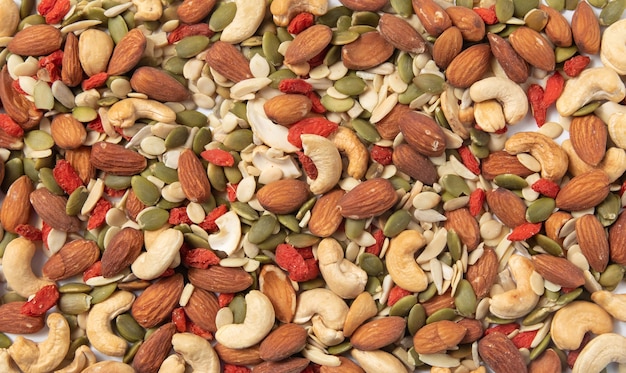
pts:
[613, 163]
[599, 83]
[600, 352]
[247, 19]
[401, 263]
[343, 277]
[285, 10]
[613, 48]
[489, 115]
[614, 304]
[326, 158]
[198, 352]
[508, 93]
[257, 324]
[358, 157]
[98, 327]
[109, 367]
[33, 357]
[151, 264]
[551, 157]
[148, 10]
[328, 312]
[125, 112]
[83, 357]
[571, 322]
[229, 234]
[10, 15]
[270, 133]
[173, 364]
[378, 361]
[6, 364]
[614, 115]
[450, 108]
[17, 268]
[520, 301]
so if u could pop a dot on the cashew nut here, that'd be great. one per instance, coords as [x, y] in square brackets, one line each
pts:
[614, 115]
[125, 112]
[83, 357]
[10, 15]
[33, 357]
[450, 108]
[378, 361]
[327, 311]
[614, 304]
[229, 234]
[613, 163]
[599, 83]
[571, 322]
[600, 352]
[326, 158]
[247, 19]
[172, 364]
[16, 264]
[507, 92]
[613, 48]
[520, 301]
[6, 364]
[285, 10]
[551, 157]
[489, 115]
[256, 326]
[198, 352]
[98, 327]
[151, 264]
[401, 263]
[148, 10]
[109, 367]
[343, 277]
[268, 132]
[358, 157]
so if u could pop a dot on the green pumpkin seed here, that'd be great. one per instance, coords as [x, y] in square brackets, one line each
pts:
[455, 185]
[283, 35]
[117, 182]
[405, 67]
[233, 174]
[549, 245]
[74, 345]
[400, 183]
[5, 341]
[74, 287]
[6, 238]
[177, 137]
[273, 241]
[564, 53]
[608, 211]
[201, 139]
[510, 181]
[222, 16]
[118, 28]
[587, 109]
[262, 229]
[195, 241]
[191, 45]
[465, 298]
[524, 6]
[145, 190]
[371, 264]
[330, 18]
[571, 4]
[337, 105]
[192, 118]
[397, 222]
[403, 306]
[454, 244]
[373, 285]
[557, 4]
[164, 173]
[76, 200]
[333, 55]
[430, 83]
[536, 316]
[238, 308]
[340, 348]
[569, 297]
[427, 294]
[74, 303]
[12, 296]
[30, 170]
[465, 3]
[47, 179]
[290, 222]
[365, 18]
[270, 44]
[279, 75]
[300, 240]
[26, 8]
[306, 206]
[84, 114]
[175, 65]
[244, 210]
[540, 210]
[365, 130]
[350, 85]
[344, 22]
[496, 28]
[442, 314]
[598, 3]
[416, 318]
[312, 284]
[612, 276]
[411, 93]
[504, 10]
[354, 228]
[344, 37]
[361, 29]
[217, 177]
[402, 7]
[38, 140]
[541, 347]
[152, 218]
[238, 139]
[131, 352]
[129, 328]
[102, 293]
[481, 152]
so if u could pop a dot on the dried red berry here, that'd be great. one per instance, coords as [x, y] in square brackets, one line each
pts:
[44, 299]
[300, 23]
[524, 231]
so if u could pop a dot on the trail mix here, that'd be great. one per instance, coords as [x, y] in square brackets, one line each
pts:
[301, 187]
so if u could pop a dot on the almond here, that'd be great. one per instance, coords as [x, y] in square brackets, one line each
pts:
[80, 159]
[389, 126]
[158, 85]
[423, 133]
[447, 46]
[482, 274]
[438, 302]
[547, 362]
[154, 350]
[378, 333]
[474, 330]
[16, 105]
[243, 356]
[466, 227]
[73, 259]
[67, 131]
[501, 162]
[617, 240]
[369, 198]
[36, 40]
[192, 11]
[292, 365]
[583, 191]
[10, 142]
[557, 29]
[438, 336]
[283, 196]
[369, 50]
[432, 16]
[533, 48]
[127, 53]
[469, 66]
[362, 309]
[156, 303]
[116, 159]
[220, 279]
[414, 164]
[282, 342]
[507, 206]
[133, 205]
[588, 135]
[469, 22]
[275, 284]
[121, 251]
[202, 308]
[193, 177]
[513, 65]
[71, 70]
[586, 29]
[593, 241]
[325, 215]
[401, 34]
[500, 354]
[365, 5]
[288, 108]
[554, 223]
[15, 209]
[51, 209]
[308, 44]
[13, 321]
[558, 270]
[346, 366]
[228, 61]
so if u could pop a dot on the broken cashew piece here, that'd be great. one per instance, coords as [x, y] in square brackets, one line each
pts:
[377, 361]
[328, 312]
[489, 115]
[6, 364]
[508, 93]
[148, 10]
[284, 10]
[98, 327]
[600, 352]
[348, 142]
[267, 131]
[614, 304]
[198, 352]
[599, 83]
[151, 264]
[613, 48]
[401, 264]
[256, 326]
[124, 113]
[572, 322]
[248, 17]
[326, 158]
[614, 115]
[551, 156]
[613, 163]
[229, 234]
[451, 110]
[83, 357]
[109, 367]
[173, 364]
[16, 264]
[343, 277]
[520, 301]
[44, 356]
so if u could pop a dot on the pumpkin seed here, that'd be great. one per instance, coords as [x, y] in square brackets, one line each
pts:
[453, 241]
[238, 308]
[571, 4]
[262, 229]
[131, 352]
[273, 241]
[192, 118]
[270, 45]
[279, 75]
[164, 173]
[465, 3]
[564, 53]
[504, 10]
[222, 16]
[496, 28]
[536, 19]
[238, 139]
[344, 22]
[300, 240]
[312, 284]
[397, 222]
[118, 28]
[427, 294]
[333, 55]
[175, 65]
[13, 169]
[129, 328]
[350, 85]
[76, 200]
[74, 345]
[442, 314]
[612, 276]
[117, 182]
[522, 7]
[361, 29]
[402, 7]
[354, 228]
[217, 177]
[510, 181]
[465, 298]
[541, 347]
[416, 318]
[330, 18]
[201, 139]
[536, 316]
[371, 264]
[403, 306]
[365, 130]
[290, 222]
[47, 179]
[337, 105]
[84, 114]
[540, 210]
[587, 109]
[569, 297]
[5, 341]
[12, 296]
[549, 245]
[283, 35]
[42, 94]
[244, 210]
[455, 185]
[152, 218]
[177, 137]
[405, 67]
[38, 140]
[608, 210]
[148, 193]
[74, 303]
[340, 348]
[365, 18]
[412, 92]
[101, 293]
[191, 45]
[373, 285]
[195, 241]
[557, 4]
[430, 83]
[74, 287]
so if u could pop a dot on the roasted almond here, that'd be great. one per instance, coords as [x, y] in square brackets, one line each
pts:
[282, 342]
[474, 330]
[369, 198]
[378, 333]
[482, 274]
[71, 70]
[501, 162]
[308, 44]
[283, 196]
[15, 209]
[16, 105]
[242, 356]
[191, 11]
[220, 279]
[288, 108]
[121, 252]
[500, 354]
[438, 302]
[325, 215]
[513, 65]
[127, 53]
[432, 16]
[228, 61]
[193, 177]
[389, 126]
[588, 135]
[67, 131]
[447, 46]
[533, 48]
[51, 209]
[401, 34]
[547, 362]
[423, 133]
[593, 241]
[586, 29]
[116, 159]
[73, 259]
[36, 40]
[346, 366]
[558, 270]
[617, 240]
[507, 206]
[80, 159]
[414, 164]
[156, 303]
[202, 308]
[154, 350]
[583, 191]
[365, 5]
[557, 29]
[274, 283]
[468, 21]
[466, 227]
[292, 365]
[438, 336]
[469, 66]
[368, 51]
[158, 85]
[13, 321]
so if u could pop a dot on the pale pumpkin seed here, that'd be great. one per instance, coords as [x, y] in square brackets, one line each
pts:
[361, 29]
[536, 19]
[612, 276]
[510, 181]
[350, 85]
[117, 182]
[496, 28]
[397, 222]
[12, 296]
[145, 190]
[300, 240]
[76, 200]
[344, 22]
[465, 3]
[47, 179]
[403, 306]
[587, 109]
[540, 210]
[571, 4]
[74, 287]
[238, 308]
[129, 328]
[608, 210]
[465, 298]
[524, 6]
[365, 130]
[152, 218]
[441, 314]
[74, 303]
[337, 105]
[192, 118]
[191, 45]
[504, 10]
[102, 293]
[612, 12]
[222, 16]
[38, 140]
[371, 264]
[402, 7]
[84, 114]
[262, 229]
[42, 94]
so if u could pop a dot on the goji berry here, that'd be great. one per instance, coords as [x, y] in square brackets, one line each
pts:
[224, 299]
[45, 6]
[113, 192]
[535, 98]
[98, 214]
[622, 190]
[554, 88]
[524, 339]
[573, 354]
[376, 248]
[200, 258]
[184, 30]
[54, 58]
[546, 187]
[178, 215]
[94, 270]
[58, 11]
[96, 125]
[318, 59]
[309, 369]
[316, 102]
[476, 201]
[208, 224]
[45, 231]
[218, 157]
[469, 160]
[179, 319]
[505, 329]
[575, 65]
[299, 269]
[300, 23]
[29, 232]
[314, 125]
[231, 192]
[197, 330]
[44, 299]
[395, 294]
[307, 165]
[305, 252]
[65, 175]
[230, 368]
[54, 72]
[8, 125]
[95, 81]
[121, 132]
[488, 15]
[295, 85]
[381, 154]
[167, 273]
[524, 231]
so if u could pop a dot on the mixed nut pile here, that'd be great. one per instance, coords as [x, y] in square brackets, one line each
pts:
[302, 187]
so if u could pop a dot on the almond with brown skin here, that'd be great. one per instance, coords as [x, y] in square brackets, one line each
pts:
[482, 274]
[158, 85]
[378, 333]
[13, 321]
[36, 40]
[193, 178]
[51, 209]
[154, 350]
[501, 162]
[369, 198]
[308, 44]
[588, 135]
[554, 223]
[447, 46]
[117, 159]
[389, 126]
[432, 16]
[500, 354]
[10, 142]
[438, 302]
[156, 303]
[16, 105]
[474, 330]
[558, 270]
[67, 131]
[438, 336]
[593, 241]
[282, 342]
[466, 227]
[80, 159]
[15, 209]
[73, 259]
[292, 365]
[121, 252]
[220, 279]
[557, 29]
[202, 308]
[533, 48]
[469, 66]
[586, 29]
[127, 53]
[548, 362]
[369, 50]
[513, 65]
[274, 283]
[507, 206]
[243, 356]
[193, 11]
[346, 366]
[617, 240]
[423, 133]
[325, 215]
[288, 108]
[133, 205]
[71, 70]
[228, 61]
[469, 22]
[365, 5]
[414, 164]
[283, 196]
[401, 34]
[583, 191]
